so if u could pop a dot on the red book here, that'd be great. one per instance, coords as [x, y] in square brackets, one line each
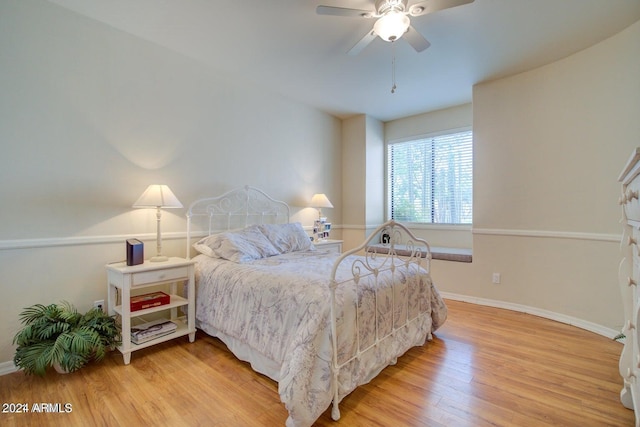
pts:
[154, 299]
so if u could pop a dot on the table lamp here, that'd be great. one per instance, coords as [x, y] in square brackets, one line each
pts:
[320, 201]
[158, 196]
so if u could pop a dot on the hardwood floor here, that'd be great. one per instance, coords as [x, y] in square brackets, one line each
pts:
[486, 366]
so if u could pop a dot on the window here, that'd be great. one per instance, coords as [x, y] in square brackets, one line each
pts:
[429, 180]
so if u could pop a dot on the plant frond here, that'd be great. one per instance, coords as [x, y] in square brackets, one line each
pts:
[69, 313]
[52, 329]
[33, 359]
[29, 314]
[71, 362]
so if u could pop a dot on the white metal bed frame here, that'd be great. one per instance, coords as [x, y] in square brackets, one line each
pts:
[247, 205]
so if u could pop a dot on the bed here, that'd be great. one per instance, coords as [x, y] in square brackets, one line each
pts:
[317, 322]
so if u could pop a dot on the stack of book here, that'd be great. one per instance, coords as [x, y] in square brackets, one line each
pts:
[152, 330]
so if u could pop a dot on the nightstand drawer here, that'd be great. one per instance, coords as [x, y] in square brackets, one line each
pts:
[164, 275]
[329, 245]
[630, 179]
[632, 205]
[337, 248]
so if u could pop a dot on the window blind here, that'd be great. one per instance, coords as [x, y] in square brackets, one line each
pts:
[430, 180]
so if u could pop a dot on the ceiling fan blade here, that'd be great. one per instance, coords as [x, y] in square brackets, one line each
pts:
[430, 6]
[364, 42]
[343, 11]
[415, 39]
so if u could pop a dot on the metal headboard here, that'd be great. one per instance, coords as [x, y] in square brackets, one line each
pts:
[237, 208]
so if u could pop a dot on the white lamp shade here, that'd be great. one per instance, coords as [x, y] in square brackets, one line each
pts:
[157, 196]
[391, 26]
[320, 201]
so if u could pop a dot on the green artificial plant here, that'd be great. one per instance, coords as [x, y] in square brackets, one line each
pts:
[57, 335]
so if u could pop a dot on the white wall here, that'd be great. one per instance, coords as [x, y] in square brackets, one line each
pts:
[363, 178]
[549, 145]
[89, 116]
[354, 170]
[375, 172]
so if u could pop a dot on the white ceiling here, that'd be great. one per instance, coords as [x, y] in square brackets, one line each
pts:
[285, 46]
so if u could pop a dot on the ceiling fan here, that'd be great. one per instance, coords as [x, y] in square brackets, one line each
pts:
[392, 20]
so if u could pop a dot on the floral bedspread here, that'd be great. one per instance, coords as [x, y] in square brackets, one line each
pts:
[280, 306]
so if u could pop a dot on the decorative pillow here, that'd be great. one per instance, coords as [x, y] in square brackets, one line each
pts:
[239, 246]
[289, 237]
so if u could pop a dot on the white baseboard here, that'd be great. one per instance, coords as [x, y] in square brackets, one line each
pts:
[563, 318]
[7, 368]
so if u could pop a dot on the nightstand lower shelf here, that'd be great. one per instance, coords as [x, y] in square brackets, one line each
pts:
[182, 330]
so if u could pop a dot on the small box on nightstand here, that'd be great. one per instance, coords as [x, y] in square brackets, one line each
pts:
[135, 252]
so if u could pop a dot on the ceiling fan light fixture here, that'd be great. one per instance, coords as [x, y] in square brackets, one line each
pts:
[392, 26]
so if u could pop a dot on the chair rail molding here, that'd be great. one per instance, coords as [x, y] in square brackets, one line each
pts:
[602, 237]
[50, 242]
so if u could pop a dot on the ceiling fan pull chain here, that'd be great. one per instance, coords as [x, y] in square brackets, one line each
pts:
[393, 68]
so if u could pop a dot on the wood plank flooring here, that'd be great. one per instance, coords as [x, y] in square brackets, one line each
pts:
[485, 366]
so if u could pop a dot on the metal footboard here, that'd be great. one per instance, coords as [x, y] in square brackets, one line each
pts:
[378, 261]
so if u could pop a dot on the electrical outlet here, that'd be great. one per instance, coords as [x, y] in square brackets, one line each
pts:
[99, 304]
[496, 278]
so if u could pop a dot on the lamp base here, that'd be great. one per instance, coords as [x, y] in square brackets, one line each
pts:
[159, 258]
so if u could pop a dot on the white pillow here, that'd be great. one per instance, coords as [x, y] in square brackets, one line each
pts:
[289, 237]
[239, 246]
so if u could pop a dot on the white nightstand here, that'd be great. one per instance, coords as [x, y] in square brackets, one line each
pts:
[127, 280]
[328, 244]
